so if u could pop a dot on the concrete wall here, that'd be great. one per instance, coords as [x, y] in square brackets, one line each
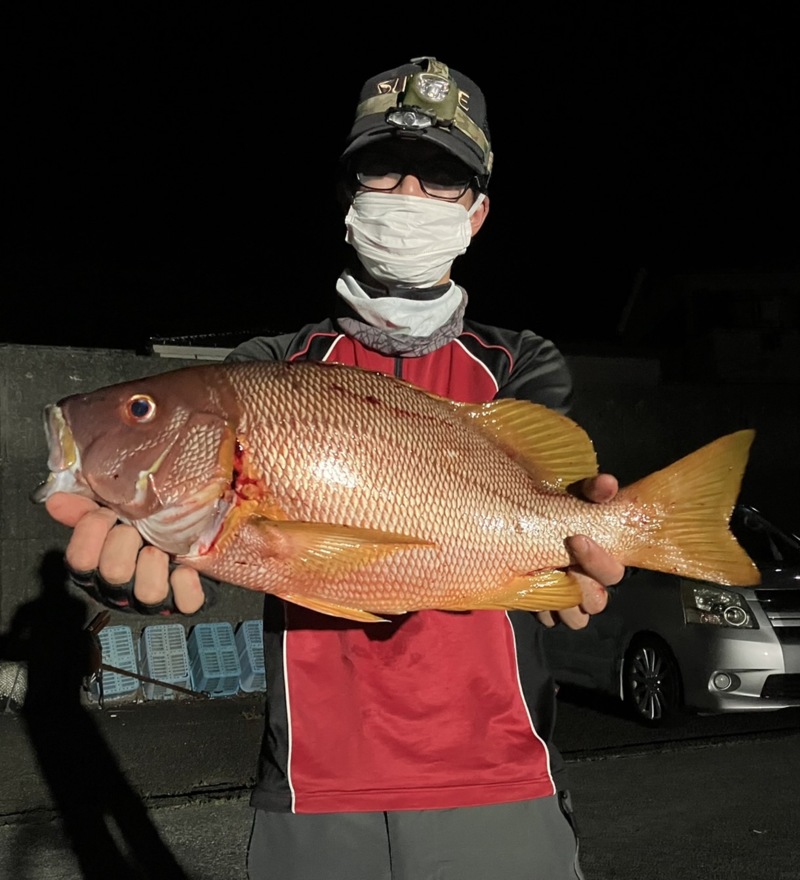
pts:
[30, 378]
[637, 425]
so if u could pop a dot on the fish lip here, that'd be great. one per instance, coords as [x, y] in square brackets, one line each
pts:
[44, 490]
[63, 458]
[62, 452]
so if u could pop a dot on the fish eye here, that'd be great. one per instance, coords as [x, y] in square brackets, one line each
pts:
[142, 408]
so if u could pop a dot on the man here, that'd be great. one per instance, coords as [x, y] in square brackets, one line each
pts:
[420, 748]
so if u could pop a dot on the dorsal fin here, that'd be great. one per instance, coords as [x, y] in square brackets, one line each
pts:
[553, 448]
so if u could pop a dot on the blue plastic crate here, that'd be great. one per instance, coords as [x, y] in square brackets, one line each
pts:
[118, 650]
[251, 656]
[163, 655]
[214, 659]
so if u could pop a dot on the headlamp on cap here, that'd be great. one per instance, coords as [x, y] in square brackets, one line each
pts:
[430, 98]
[425, 99]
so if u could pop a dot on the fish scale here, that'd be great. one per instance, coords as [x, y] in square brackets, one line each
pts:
[358, 494]
[373, 500]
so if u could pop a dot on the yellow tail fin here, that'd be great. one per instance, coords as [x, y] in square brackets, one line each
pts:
[692, 500]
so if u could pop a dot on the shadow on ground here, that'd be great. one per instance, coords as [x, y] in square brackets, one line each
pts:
[104, 818]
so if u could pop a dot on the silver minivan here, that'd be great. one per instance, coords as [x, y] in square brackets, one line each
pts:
[667, 645]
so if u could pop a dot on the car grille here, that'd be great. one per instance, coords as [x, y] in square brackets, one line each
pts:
[781, 687]
[782, 607]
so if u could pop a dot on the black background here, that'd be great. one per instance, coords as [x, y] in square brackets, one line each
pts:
[171, 167]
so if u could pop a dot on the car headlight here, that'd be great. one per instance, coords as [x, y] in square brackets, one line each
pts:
[707, 603]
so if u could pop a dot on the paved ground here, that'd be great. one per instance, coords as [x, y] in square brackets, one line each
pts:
[174, 802]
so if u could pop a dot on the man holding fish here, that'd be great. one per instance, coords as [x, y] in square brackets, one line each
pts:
[418, 747]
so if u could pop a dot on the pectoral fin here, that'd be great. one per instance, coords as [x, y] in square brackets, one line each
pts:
[322, 549]
[543, 591]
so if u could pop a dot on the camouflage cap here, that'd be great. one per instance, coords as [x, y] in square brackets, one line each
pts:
[426, 99]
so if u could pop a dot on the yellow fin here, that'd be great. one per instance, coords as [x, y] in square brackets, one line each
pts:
[324, 549]
[334, 610]
[691, 502]
[544, 591]
[553, 448]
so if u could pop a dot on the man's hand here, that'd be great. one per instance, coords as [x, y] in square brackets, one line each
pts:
[594, 568]
[110, 560]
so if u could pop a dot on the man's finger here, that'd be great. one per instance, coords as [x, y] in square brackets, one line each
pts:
[187, 590]
[68, 509]
[599, 489]
[574, 618]
[117, 562]
[152, 577]
[594, 596]
[594, 561]
[88, 537]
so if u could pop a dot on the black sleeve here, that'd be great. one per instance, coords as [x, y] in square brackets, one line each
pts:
[539, 372]
[263, 348]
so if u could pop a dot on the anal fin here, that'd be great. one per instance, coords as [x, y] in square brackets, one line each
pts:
[334, 610]
[544, 591]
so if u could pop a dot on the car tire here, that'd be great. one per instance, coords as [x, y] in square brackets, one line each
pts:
[651, 682]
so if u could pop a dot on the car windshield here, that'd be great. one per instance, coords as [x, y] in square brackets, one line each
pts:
[764, 542]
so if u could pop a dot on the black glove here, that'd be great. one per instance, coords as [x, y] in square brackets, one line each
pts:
[120, 597]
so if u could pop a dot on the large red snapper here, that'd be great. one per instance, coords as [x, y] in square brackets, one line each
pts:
[356, 494]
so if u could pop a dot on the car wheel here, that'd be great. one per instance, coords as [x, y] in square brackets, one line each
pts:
[651, 683]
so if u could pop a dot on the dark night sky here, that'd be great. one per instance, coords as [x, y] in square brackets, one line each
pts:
[173, 172]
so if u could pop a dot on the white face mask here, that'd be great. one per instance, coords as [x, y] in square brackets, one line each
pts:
[408, 240]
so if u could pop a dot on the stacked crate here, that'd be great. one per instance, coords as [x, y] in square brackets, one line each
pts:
[163, 655]
[214, 659]
[251, 656]
[118, 651]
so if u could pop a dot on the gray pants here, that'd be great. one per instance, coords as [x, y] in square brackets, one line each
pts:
[528, 840]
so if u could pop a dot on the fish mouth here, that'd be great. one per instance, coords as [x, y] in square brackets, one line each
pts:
[63, 460]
